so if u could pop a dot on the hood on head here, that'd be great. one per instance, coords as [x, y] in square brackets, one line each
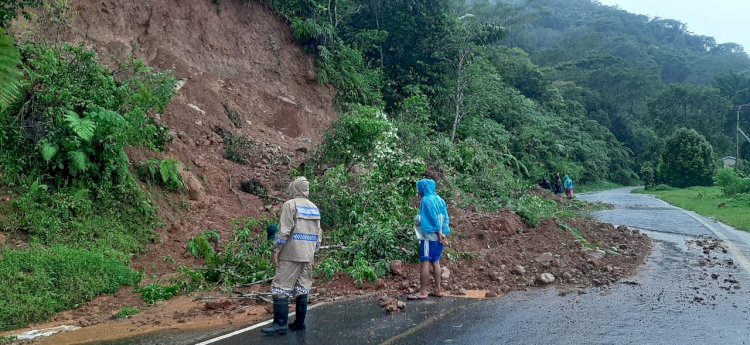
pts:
[299, 188]
[426, 187]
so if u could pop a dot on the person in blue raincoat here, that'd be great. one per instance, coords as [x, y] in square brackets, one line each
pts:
[433, 224]
[568, 187]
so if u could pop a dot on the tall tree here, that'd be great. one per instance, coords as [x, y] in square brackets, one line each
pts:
[688, 160]
[697, 107]
[461, 51]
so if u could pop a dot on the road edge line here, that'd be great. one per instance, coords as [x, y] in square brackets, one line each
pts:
[250, 328]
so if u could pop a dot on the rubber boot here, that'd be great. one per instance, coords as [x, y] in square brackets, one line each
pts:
[301, 311]
[280, 317]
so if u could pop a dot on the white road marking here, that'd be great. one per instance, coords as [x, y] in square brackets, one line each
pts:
[258, 325]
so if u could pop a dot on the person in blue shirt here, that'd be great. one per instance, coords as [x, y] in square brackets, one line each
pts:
[568, 187]
[434, 229]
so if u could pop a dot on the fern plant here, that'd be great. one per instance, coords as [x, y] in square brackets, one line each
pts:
[84, 128]
[165, 172]
[10, 75]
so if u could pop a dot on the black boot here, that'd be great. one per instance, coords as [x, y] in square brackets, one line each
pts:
[301, 310]
[280, 317]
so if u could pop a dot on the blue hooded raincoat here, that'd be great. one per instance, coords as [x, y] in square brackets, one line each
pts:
[434, 210]
[568, 183]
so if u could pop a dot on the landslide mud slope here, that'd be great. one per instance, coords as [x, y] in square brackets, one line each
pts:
[241, 72]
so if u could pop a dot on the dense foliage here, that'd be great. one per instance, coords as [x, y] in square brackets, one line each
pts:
[487, 96]
[62, 153]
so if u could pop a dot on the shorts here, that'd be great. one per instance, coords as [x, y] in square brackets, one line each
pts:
[292, 278]
[430, 251]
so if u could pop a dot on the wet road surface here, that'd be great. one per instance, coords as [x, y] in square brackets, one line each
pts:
[681, 296]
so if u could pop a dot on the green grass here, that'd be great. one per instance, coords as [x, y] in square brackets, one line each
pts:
[39, 282]
[710, 202]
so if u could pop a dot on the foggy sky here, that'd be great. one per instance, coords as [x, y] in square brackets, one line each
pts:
[725, 20]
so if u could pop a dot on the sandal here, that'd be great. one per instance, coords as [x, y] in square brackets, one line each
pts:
[435, 294]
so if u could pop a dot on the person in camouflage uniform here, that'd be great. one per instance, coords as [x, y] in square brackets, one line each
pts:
[298, 238]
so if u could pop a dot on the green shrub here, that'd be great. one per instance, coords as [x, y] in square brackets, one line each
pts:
[365, 193]
[648, 174]
[362, 270]
[238, 148]
[662, 187]
[731, 184]
[201, 247]
[328, 267]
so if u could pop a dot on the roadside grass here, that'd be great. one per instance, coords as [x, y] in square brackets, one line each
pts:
[41, 281]
[710, 202]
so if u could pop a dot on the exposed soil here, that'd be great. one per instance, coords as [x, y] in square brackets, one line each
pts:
[485, 250]
[242, 72]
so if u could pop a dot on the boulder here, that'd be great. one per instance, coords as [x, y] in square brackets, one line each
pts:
[547, 278]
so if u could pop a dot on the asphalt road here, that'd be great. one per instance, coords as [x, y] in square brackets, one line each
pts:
[672, 300]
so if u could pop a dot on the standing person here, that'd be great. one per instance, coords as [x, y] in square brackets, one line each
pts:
[434, 224]
[558, 184]
[568, 187]
[298, 238]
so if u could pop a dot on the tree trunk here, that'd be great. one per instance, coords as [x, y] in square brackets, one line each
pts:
[459, 95]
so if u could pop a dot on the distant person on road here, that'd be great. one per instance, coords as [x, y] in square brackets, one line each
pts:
[298, 238]
[433, 224]
[545, 184]
[558, 184]
[568, 187]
